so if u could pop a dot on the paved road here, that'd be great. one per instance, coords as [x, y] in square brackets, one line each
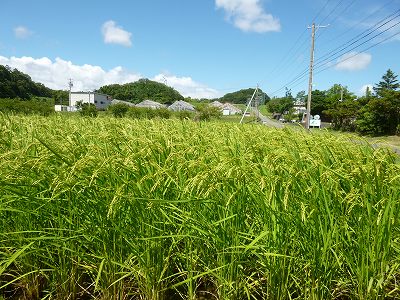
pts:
[267, 121]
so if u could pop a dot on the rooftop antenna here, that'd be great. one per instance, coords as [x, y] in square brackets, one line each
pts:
[70, 85]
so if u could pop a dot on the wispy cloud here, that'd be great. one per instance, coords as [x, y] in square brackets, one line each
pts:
[55, 75]
[353, 61]
[114, 34]
[21, 32]
[249, 15]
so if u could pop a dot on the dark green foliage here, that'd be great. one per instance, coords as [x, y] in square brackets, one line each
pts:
[280, 105]
[389, 82]
[184, 115]
[377, 114]
[163, 113]
[140, 90]
[324, 103]
[206, 113]
[88, 110]
[343, 115]
[242, 96]
[15, 84]
[119, 110]
[38, 106]
[61, 97]
[381, 115]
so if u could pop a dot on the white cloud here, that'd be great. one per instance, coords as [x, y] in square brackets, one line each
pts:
[55, 75]
[353, 61]
[362, 91]
[187, 86]
[113, 34]
[22, 32]
[249, 15]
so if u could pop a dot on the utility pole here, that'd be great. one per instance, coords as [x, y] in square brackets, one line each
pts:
[310, 81]
[70, 85]
[341, 94]
[248, 104]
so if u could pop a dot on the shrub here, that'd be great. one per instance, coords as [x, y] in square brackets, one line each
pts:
[184, 115]
[163, 113]
[88, 110]
[208, 112]
[26, 107]
[119, 110]
[135, 112]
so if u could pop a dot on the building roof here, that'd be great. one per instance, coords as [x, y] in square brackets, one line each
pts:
[115, 101]
[216, 103]
[181, 105]
[231, 108]
[150, 104]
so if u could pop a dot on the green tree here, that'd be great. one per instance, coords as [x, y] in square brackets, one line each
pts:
[87, 109]
[280, 105]
[389, 82]
[207, 112]
[343, 114]
[119, 110]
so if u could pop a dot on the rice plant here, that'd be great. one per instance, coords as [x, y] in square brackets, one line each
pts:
[167, 209]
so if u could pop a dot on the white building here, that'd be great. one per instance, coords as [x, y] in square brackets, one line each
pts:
[101, 101]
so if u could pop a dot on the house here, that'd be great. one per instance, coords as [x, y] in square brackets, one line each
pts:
[101, 101]
[230, 109]
[299, 107]
[150, 104]
[181, 105]
[226, 108]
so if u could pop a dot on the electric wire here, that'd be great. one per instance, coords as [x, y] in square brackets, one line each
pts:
[333, 53]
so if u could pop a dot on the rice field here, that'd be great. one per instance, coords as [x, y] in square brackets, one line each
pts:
[104, 208]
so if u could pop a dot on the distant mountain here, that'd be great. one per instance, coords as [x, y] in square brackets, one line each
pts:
[15, 84]
[241, 97]
[140, 90]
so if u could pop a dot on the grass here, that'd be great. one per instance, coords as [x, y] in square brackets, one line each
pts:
[165, 209]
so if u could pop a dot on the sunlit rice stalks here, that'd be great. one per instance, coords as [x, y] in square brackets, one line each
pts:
[165, 209]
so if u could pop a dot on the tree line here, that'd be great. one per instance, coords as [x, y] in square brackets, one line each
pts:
[375, 113]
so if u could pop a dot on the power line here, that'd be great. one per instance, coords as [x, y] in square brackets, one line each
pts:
[332, 53]
[337, 16]
[354, 40]
[372, 46]
[283, 63]
[360, 22]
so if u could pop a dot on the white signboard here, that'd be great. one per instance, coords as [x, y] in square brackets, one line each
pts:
[315, 123]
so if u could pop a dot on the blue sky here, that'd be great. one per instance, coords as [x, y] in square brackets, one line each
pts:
[202, 48]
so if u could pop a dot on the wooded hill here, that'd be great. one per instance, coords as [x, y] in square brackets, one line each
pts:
[140, 90]
[241, 97]
[15, 84]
